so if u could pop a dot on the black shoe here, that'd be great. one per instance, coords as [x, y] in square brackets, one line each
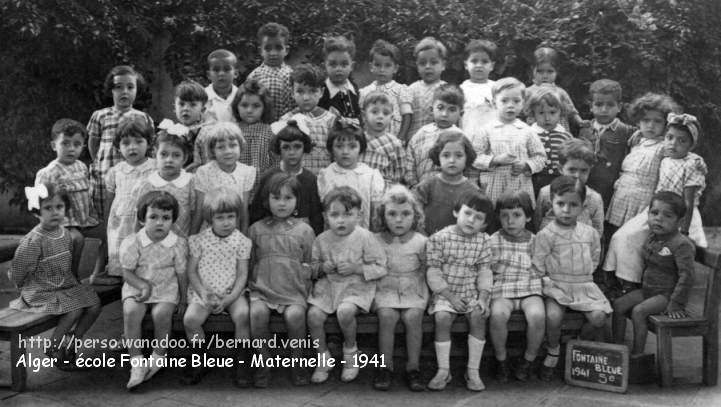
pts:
[547, 373]
[523, 371]
[300, 376]
[503, 371]
[415, 381]
[243, 376]
[383, 379]
[261, 378]
[193, 375]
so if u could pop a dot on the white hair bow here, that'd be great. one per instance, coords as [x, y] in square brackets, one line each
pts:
[34, 195]
[173, 128]
[297, 120]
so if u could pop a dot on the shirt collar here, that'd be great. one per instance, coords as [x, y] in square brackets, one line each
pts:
[389, 238]
[333, 89]
[169, 240]
[157, 181]
[360, 169]
[214, 96]
[516, 123]
[540, 130]
[127, 168]
[600, 128]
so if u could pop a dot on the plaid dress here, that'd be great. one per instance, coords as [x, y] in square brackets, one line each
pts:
[75, 180]
[400, 100]
[319, 127]
[257, 140]
[277, 80]
[513, 274]
[422, 102]
[462, 264]
[386, 154]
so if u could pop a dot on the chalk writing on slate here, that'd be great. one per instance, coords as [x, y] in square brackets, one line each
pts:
[597, 365]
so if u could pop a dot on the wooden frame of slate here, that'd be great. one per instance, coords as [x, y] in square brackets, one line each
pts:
[597, 365]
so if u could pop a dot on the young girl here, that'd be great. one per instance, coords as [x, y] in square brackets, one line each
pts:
[566, 253]
[346, 259]
[460, 277]
[403, 293]
[153, 261]
[516, 285]
[218, 272]
[345, 145]
[430, 56]
[190, 100]
[170, 154]
[508, 150]
[41, 271]
[438, 194]
[291, 142]
[122, 181]
[123, 83]
[252, 109]
[480, 59]
[281, 270]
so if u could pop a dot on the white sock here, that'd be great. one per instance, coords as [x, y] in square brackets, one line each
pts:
[350, 351]
[529, 357]
[551, 359]
[443, 354]
[475, 351]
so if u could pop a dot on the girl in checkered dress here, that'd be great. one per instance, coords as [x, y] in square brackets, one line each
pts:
[253, 110]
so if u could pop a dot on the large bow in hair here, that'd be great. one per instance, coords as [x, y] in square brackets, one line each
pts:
[34, 195]
[297, 119]
[176, 129]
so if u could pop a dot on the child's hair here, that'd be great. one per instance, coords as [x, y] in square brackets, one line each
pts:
[577, 149]
[275, 183]
[648, 102]
[399, 194]
[452, 136]
[375, 96]
[291, 132]
[477, 201]
[686, 123]
[121, 70]
[253, 87]
[547, 94]
[52, 192]
[221, 200]
[222, 131]
[338, 44]
[430, 43]
[133, 125]
[606, 87]
[678, 206]
[178, 141]
[564, 184]
[68, 128]
[273, 30]
[386, 49]
[515, 199]
[450, 94]
[190, 91]
[159, 200]
[342, 129]
[489, 47]
[546, 55]
[346, 196]
[506, 83]
[308, 75]
[222, 54]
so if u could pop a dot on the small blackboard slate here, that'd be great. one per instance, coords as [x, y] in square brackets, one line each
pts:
[597, 365]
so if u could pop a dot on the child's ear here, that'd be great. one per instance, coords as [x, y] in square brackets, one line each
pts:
[455, 214]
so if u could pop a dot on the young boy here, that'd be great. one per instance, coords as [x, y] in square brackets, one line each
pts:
[274, 73]
[190, 101]
[446, 107]
[340, 95]
[430, 55]
[480, 61]
[221, 91]
[384, 61]
[384, 151]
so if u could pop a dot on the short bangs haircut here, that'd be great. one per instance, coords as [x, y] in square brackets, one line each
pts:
[275, 183]
[134, 125]
[544, 94]
[191, 91]
[253, 87]
[565, 184]
[340, 131]
[452, 136]
[346, 196]
[54, 191]
[159, 200]
[674, 200]
[477, 201]
[223, 131]
[221, 200]
[515, 199]
[290, 133]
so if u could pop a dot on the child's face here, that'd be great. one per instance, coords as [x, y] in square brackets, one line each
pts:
[509, 103]
[250, 108]
[340, 220]
[677, 143]
[346, 151]
[291, 152]
[306, 97]
[188, 112]
[133, 149]
[576, 168]
[652, 124]
[224, 223]
[125, 89]
[470, 221]
[222, 72]
[383, 68]
[378, 116]
[430, 65]
[547, 116]
[52, 213]
[567, 207]
[604, 107]
[399, 217]
[445, 114]
[227, 152]
[544, 73]
[513, 221]
[157, 223]
[452, 158]
[273, 50]
[282, 203]
[339, 65]
[170, 159]
[68, 148]
[661, 219]
[479, 65]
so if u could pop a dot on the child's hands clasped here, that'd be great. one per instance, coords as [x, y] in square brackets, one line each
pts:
[459, 304]
[346, 269]
[675, 311]
[145, 291]
[519, 167]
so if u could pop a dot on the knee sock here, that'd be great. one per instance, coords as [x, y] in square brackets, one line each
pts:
[443, 354]
[475, 351]
[551, 359]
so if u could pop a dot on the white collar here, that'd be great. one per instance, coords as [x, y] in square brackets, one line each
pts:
[157, 181]
[333, 89]
[360, 169]
[168, 242]
[127, 168]
[212, 95]
[516, 123]
[540, 130]
[385, 86]
[602, 127]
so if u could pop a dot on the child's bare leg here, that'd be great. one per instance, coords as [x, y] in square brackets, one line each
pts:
[65, 324]
[621, 307]
[501, 309]
[193, 320]
[316, 327]
[259, 319]
[593, 328]
[346, 314]
[413, 322]
[476, 343]
[294, 316]
[554, 317]
[535, 312]
[78, 243]
[162, 314]
[133, 313]
[240, 314]
[90, 315]
[651, 306]
[387, 320]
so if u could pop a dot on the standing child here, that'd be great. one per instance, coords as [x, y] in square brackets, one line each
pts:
[438, 194]
[430, 55]
[385, 152]
[403, 293]
[41, 269]
[385, 58]
[190, 100]
[340, 94]
[345, 144]
[478, 109]
[222, 71]
[516, 284]
[566, 254]
[346, 259]
[253, 111]
[274, 74]
[508, 149]
[281, 271]
[153, 261]
[218, 272]
[460, 277]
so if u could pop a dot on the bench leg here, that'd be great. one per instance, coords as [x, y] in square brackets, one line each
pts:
[710, 357]
[18, 372]
[664, 356]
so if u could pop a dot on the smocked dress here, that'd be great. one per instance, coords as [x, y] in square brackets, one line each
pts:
[183, 189]
[478, 108]
[405, 284]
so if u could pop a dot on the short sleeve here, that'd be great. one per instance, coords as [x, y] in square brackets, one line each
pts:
[201, 179]
[129, 253]
[180, 255]
[44, 176]
[249, 179]
[322, 183]
[405, 100]
[377, 187]
[195, 246]
[244, 247]
[110, 183]
[697, 171]
[94, 124]
[307, 237]
[541, 250]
